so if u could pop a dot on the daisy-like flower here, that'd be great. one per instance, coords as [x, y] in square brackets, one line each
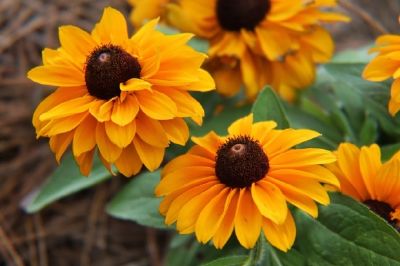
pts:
[363, 177]
[243, 182]
[386, 65]
[126, 97]
[244, 33]
[146, 9]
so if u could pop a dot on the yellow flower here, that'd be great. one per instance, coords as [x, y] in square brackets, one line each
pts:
[294, 71]
[146, 9]
[125, 96]
[386, 65]
[363, 177]
[243, 182]
[252, 34]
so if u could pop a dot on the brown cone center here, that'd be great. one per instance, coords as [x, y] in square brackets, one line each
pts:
[234, 15]
[240, 161]
[107, 67]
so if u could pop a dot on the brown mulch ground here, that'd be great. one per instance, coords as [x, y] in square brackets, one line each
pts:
[76, 230]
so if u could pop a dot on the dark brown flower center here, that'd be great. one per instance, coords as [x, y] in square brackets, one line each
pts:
[383, 210]
[233, 15]
[106, 67]
[240, 162]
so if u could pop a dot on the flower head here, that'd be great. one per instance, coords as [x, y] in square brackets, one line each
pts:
[365, 178]
[126, 97]
[386, 65]
[243, 182]
[249, 34]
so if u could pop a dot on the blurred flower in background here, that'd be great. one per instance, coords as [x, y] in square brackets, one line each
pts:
[365, 178]
[125, 96]
[280, 37]
[243, 181]
[145, 10]
[386, 65]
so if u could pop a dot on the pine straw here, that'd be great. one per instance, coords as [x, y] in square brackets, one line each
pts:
[76, 230]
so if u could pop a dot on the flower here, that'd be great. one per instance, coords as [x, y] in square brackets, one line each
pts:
[146, 9]
[125, 96]
[385, 65]
[247, 32]
[363, 177]
[243, 182]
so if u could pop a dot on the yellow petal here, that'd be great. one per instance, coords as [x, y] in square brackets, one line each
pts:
[370, 162]
[186, 160]
[227, 223]
[63, 76]
[156, 105]
[68, 108]
[212, 214]
[134, 84]
[302, 157]
[190, 212]
[176, 130]
[121, 136]
[210, 142]
[108, 150]
[270, 201]
[102, 110]
[241, 126]
[280, 236]
[247, 220]
[151, 156]
[78, 43]
[151, 131]
[124, 112]
[85, 162]
[62, 125]
[129, 163]
[59, 144]
[111, 28]
[85, 136]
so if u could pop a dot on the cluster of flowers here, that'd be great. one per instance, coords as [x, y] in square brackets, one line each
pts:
[128, 97]
[282, 37]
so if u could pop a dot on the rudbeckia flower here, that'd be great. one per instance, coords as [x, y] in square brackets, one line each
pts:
[386, 65]
[243, 182]
[126, 97]
[146, 9]
[292, 72]
[252, 33]
[365, 178]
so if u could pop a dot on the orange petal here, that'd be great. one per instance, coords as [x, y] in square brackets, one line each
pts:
[280, 236]
[151, 156]
[121, 136]
[85, 136]
[108, 150]
[129, 163]
[124, 112]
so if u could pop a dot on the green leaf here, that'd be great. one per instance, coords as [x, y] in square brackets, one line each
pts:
[268, 106]
[346, 233]
[369, 132]
[65, 181]
[359, 55]
[137, 202]
[220, 122]
[237, 260]
[389, 150]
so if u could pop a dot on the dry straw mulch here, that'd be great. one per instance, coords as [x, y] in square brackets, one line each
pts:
[76, 230]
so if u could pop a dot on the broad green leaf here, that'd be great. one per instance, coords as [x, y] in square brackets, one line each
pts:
[238, 260]
[137, 202]
[369, 132]
[346, 233]
[268, 106]
[65, 181]
[221, 121]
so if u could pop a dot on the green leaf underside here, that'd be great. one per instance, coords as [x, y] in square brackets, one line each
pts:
[228, 261]
[137, 202]
[346, 233]
[65, 181]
